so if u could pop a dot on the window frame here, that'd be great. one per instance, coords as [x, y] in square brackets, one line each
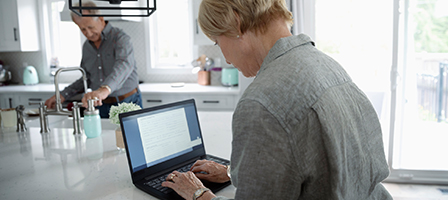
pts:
[396, 175]
[49, 49]
[150, 54]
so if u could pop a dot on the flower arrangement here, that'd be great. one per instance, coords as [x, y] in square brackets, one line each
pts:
[121, 108]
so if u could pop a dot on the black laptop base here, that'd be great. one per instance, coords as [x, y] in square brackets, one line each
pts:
[169, 194]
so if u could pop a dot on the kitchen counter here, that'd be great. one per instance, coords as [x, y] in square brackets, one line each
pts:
[144, 88]
[59, 165]
[214, 98]
[46, 88]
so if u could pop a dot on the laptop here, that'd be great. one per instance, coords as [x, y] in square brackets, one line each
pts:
[160, 140]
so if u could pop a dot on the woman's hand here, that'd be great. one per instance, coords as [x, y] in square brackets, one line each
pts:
[185, 184]
[214, 172]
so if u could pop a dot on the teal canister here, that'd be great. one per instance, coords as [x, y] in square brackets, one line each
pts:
[92, 120]
[229, 76]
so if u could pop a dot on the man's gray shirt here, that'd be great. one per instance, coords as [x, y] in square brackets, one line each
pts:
[303, 130]
[112, 64]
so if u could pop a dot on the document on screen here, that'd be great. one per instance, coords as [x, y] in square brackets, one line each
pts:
[164, 134]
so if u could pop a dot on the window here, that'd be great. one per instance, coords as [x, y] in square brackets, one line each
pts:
[360, 39]
[171, 35]
[357, 36]
[420, 132]
[405, 38]
[65, 37]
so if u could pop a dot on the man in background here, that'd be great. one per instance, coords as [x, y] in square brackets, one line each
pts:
[108, 59]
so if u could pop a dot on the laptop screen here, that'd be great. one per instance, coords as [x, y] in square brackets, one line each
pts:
[157, 135]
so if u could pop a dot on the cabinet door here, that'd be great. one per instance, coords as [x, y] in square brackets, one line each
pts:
[6, 101]
[9, 37]
[18, 25]
[199, 36]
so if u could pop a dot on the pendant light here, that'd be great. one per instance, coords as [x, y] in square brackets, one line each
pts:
[115, 8]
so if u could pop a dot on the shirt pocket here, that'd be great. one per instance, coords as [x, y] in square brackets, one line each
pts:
[108, 60]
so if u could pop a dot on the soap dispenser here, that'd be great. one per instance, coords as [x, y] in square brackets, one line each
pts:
[92, 120]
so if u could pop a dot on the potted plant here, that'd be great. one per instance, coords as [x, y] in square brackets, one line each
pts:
[114, 119]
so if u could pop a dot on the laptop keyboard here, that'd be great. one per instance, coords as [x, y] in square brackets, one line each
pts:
[156, 183]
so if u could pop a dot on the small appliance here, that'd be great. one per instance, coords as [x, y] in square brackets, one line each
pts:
[229, 76]
[30, 76]
[5, 75]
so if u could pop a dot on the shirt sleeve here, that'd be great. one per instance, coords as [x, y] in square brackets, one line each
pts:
[262, 162]
[124, 63]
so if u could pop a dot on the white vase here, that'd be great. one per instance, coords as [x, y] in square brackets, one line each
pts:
[119, 139]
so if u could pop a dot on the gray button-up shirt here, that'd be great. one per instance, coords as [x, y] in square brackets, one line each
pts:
[303, 130]
[112, 64]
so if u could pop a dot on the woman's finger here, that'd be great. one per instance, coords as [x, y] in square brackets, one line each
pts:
[198, 163]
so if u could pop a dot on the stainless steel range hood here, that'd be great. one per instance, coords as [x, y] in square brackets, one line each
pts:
[130, 10]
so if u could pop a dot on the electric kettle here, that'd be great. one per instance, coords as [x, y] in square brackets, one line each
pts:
[30, 76]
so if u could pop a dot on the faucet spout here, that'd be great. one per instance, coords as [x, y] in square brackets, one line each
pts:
[43, 112]
[56, 84]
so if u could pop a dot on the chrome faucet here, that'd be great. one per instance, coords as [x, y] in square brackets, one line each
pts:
[43, 112]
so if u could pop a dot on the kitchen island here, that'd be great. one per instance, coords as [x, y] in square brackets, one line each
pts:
[210, 98]
[59, 165]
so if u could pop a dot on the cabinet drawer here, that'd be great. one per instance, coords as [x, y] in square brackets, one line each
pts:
[216, 102]
[157, 99]
[31, 100]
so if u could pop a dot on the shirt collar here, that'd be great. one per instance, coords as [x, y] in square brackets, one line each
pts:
[284, 45]
[106, 31]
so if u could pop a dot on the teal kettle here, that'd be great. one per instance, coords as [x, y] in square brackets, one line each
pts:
[30, 76]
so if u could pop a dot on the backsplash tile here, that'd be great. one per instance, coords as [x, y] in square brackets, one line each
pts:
[16, 61]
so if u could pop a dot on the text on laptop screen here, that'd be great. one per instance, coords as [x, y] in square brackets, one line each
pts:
[155, 137]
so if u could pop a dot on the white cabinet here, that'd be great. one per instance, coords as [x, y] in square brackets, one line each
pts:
[155, 99]
[18, 25]
[199, 36]
[215, 102]
[6, 100]
[29, 100]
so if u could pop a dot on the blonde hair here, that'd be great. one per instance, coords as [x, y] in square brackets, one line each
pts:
[220, 17]
[85, 4]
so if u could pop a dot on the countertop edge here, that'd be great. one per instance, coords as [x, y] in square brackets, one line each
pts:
[153, 88]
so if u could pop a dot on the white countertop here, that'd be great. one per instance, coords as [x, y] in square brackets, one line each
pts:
[145, 88]
[62, 166]
[31, 88]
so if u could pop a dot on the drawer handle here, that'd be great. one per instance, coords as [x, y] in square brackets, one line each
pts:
[153, 101]
[205, 101]
[34, 99]
[15, 34]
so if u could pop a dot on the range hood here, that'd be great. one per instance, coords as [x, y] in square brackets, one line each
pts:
[130, 10]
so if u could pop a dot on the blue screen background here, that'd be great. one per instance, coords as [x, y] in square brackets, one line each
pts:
[135, 147]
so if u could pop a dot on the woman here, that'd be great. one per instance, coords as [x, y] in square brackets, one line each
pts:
[302, 129]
